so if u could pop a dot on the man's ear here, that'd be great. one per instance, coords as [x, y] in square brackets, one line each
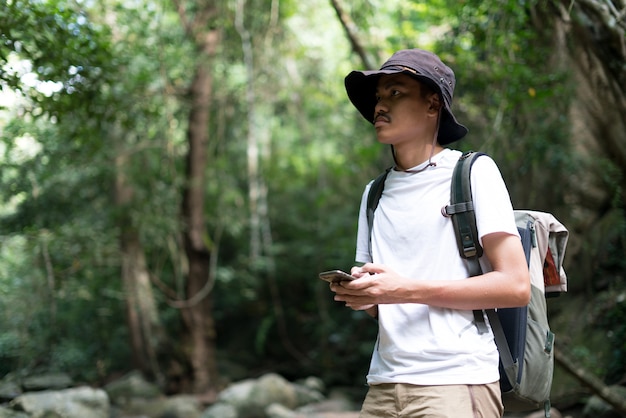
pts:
[434, 103]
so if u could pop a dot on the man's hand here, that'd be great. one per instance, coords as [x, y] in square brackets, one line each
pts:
[374, 284]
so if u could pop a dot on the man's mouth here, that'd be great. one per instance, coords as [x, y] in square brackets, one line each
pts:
[381, 119]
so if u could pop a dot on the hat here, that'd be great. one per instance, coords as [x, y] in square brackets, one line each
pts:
[422, 65]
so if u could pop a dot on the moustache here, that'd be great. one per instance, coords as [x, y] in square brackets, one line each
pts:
[381, 116]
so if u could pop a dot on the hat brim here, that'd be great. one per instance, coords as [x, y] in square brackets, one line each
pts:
[361, 89]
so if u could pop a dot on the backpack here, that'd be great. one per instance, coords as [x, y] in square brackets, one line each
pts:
[523, 336]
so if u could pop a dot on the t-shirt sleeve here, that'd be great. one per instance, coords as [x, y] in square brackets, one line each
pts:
[492, 202]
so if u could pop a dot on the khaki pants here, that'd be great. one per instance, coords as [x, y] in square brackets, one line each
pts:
[449, 401]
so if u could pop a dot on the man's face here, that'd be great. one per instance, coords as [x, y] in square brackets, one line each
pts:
[401, 113]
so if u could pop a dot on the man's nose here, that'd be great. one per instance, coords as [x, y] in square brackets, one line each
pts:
[381, 107]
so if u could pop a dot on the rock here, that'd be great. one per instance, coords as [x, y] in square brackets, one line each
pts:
[9, 413]
[221, 410]
[313, 383]
[9, 390]
[178, 406]
[129, 387]
[277, 410]
[272, 388]
[81, 402]
[598, 408]
[251, 397]
[182, 406]
[306, 395]
[237, 393]
[48, 381]
[330, 405]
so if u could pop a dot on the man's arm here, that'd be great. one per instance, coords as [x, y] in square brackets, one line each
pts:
[507, 285]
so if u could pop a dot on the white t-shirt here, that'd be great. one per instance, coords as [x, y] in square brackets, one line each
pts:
[420, 344]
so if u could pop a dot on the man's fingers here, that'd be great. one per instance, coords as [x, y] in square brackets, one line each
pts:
[372, 268]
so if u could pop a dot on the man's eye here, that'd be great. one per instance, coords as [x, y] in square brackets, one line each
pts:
[395, 92]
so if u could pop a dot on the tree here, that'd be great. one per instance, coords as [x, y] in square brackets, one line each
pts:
[198, 20]
[98, 123]
[529, 78]
[57, 110]
[591, 38]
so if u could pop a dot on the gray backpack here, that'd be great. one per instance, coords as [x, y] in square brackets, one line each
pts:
[523, 336]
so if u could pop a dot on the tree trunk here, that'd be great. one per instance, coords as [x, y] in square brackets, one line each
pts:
[258, 150]
[590, 44]
[198, 317]
[593, 33]
[257, 192]
[144, 327]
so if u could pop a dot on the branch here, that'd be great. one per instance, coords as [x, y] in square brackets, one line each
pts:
[195, 28]
[202, 293]
[182, 14]
[611, 18]
[588, 379]
[350, 28]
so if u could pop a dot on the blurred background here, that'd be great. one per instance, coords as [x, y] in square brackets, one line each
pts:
[174, 174]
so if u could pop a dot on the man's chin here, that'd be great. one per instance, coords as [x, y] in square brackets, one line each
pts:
[384, 141]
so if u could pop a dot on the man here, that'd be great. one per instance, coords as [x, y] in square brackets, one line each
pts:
[429, 360]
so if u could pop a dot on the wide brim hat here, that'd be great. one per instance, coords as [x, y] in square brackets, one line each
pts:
[422, 65]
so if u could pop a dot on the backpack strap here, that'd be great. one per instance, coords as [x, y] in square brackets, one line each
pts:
[461, 209]
[506, 358]
[375, 192]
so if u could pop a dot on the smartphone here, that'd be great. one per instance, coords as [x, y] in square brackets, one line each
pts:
[335, 276]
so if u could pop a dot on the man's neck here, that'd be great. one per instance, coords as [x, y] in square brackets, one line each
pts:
[409, 157]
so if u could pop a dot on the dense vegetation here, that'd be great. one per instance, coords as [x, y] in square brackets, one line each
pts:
[107, 106]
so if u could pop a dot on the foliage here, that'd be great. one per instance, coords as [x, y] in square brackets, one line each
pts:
[59, 174]
[513, 102]
[33, 29]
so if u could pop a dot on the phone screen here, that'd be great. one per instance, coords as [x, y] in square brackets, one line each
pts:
[335, 276]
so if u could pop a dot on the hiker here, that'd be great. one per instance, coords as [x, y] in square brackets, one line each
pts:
[430, 358]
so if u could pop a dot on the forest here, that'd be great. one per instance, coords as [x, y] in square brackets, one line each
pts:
[175, 173]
